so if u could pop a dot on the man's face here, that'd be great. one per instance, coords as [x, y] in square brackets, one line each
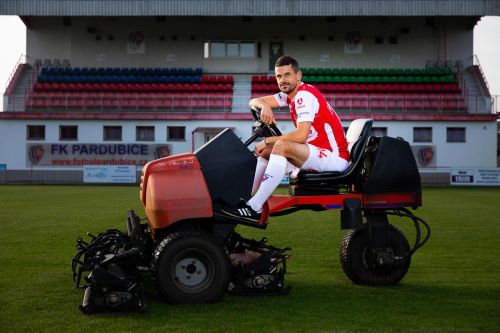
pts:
[287, 79]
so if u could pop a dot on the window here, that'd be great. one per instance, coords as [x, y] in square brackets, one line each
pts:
[176, 133]
[393, 40]
[422, 134]
[378, 40]
[247, 49]
[379, 131]
[145, 133]
[217, 50]
[35, 132]
[455, 134]
[68, 133]
[232, 49]
[112, 133]
[229, 49]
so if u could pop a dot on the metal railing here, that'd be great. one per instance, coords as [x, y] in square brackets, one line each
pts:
[129, 102]
[213, 103]
[483, 81]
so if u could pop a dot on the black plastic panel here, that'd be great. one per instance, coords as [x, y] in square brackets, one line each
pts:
[392, 167]
[228, 167]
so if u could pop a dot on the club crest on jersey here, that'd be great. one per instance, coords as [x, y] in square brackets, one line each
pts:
[300, 101]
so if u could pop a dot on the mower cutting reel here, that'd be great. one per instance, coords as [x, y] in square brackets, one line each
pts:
[258, 268]
[109, 265]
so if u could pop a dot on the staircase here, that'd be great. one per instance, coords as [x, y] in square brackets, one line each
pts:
[16, 101]
[477, 102]
[241, 92]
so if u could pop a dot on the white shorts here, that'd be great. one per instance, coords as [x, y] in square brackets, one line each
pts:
[321, 160]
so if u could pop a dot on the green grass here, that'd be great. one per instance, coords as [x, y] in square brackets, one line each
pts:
[453, 284]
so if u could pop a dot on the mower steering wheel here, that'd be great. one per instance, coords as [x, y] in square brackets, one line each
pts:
[269, 129]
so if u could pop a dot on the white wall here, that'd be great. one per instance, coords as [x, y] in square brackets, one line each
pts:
[48, 39]
[478, 134]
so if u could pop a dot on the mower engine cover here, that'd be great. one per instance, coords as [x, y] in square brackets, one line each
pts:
[192, 185]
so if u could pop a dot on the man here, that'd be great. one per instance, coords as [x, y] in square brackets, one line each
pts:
[318, 142]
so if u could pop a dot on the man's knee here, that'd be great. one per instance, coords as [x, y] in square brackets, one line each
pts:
[282, 147]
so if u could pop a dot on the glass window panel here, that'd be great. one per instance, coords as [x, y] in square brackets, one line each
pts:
[422, 134]
[217, 49]
[379, 131]
[455, 134]
[247, 49]
[35, 132]
[232, 49]
[68, 132]
[145, 133]
[176, 133]
[112, 133]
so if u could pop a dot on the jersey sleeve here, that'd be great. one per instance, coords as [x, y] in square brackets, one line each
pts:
[306, 105]
[281, 98]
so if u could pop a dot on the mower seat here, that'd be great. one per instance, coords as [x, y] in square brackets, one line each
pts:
[357, 138]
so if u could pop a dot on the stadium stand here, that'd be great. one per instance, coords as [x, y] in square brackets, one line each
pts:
[130, 88]
[430, 89]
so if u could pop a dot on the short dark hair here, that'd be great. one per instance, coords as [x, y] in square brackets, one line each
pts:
[287, 60]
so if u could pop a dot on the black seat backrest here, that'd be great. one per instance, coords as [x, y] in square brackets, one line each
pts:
[359, 145]
[357, 137]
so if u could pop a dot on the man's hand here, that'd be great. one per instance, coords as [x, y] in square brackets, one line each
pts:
[260, 148]
[266, 115]
[266, 105]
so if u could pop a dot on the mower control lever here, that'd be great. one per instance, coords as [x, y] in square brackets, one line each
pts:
[257, 133]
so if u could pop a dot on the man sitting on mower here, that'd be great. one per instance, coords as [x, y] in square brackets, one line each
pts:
[318, 142]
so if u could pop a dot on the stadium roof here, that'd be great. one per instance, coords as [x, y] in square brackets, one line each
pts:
[250, 8]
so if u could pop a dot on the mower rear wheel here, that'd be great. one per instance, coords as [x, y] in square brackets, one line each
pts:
[190, 267]
[358, 262]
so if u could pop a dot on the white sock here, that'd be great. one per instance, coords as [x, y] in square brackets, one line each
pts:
[273, 175]
[259, 173]
[291, 170]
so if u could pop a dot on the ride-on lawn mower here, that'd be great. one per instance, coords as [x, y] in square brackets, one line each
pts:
[194, 254]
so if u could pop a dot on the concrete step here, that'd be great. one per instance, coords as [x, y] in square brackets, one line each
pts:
[16, 102]
[241, 92]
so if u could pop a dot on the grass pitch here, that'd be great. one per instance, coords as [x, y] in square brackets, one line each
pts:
[453, 284]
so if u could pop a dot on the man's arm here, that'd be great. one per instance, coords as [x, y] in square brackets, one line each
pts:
[299, 135]
[266, 105]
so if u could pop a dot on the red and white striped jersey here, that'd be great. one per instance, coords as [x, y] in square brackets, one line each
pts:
[326, 129]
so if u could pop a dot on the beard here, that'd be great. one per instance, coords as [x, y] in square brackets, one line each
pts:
[287, 88]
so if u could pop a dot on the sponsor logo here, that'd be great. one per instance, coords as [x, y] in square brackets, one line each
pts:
[135, 40]
[266, 177]
[300, 101]
[182, 164]
[162, 151]
[36, 154]
[425, 156]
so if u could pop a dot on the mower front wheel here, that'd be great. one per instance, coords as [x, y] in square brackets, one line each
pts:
[359, 263]
[190, 267]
